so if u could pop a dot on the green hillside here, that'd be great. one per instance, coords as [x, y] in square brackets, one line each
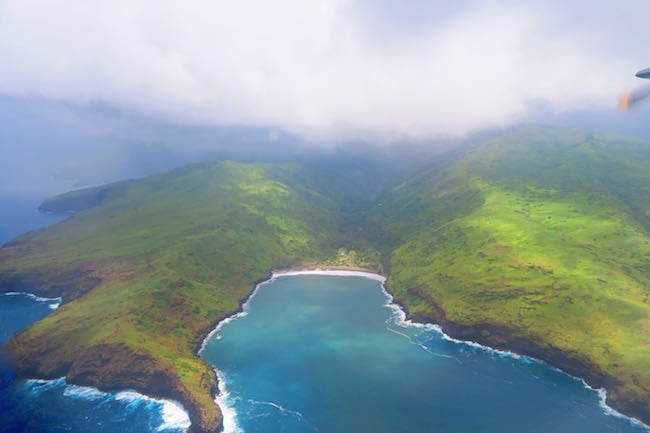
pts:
[152, 268]
[536, 241]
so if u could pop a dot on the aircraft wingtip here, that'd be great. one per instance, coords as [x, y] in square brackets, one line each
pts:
[624, 102]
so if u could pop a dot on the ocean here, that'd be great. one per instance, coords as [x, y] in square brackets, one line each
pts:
[19, 215]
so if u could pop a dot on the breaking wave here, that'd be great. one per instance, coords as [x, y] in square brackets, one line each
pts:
[54, 303]
[227, 405]
[166, 415]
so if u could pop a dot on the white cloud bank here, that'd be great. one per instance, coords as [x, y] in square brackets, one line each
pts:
[320, 66]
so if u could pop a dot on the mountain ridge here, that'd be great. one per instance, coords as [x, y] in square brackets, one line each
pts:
[550, 261]
[536, 240]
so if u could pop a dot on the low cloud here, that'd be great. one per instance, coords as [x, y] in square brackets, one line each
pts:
[328, 67]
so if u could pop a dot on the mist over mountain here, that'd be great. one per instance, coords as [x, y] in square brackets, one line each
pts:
[51, 147]
[106, 92]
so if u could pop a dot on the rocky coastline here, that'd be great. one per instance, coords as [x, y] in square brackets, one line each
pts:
[506, 339]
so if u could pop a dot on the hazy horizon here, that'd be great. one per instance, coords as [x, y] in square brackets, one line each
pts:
[117, 90]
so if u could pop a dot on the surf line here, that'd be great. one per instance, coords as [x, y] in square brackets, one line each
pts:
[53, 303]
[172, 412]
[402, 320]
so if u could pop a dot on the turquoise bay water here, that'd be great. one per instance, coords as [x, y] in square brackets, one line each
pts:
[329, 354]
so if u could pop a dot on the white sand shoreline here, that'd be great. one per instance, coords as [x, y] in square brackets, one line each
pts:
[330, 272]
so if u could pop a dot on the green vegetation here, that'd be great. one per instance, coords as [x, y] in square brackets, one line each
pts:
[163, 259]
[537, 240]
[542, 245]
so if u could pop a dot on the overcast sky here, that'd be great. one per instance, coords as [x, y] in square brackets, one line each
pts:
[92, 86]
[414, 68]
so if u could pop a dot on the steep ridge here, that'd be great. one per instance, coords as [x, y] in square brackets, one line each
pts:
[536, 241]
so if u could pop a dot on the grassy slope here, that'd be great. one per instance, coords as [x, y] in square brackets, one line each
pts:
[537, 240]
[164, 258]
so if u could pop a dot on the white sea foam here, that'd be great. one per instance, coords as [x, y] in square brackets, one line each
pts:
[221, 324]
[279, 407]
[84, 392]
[173, 413]
[602, 402]
[420, 345]
[174, 416]
[38, 386]
[129, 396]
[226, 404]
[56, 301]
[401, 320]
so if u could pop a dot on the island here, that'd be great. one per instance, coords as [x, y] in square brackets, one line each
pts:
[536, 240]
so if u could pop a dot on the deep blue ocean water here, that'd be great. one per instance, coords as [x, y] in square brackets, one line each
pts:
[329, 354]
[19, 215]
